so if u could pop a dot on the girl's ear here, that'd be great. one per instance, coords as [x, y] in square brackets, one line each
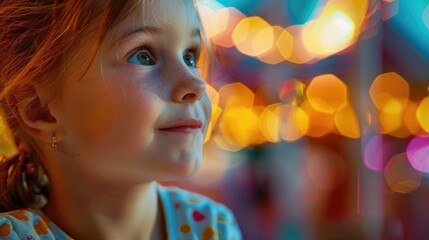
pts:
[35, 117]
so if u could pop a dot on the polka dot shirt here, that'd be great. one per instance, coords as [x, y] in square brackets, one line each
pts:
[187, 216]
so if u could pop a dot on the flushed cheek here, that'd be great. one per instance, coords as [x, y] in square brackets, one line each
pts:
[119, 123]
[90, 116]
[136, 122]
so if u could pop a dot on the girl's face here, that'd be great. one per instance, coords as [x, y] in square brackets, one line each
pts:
[140, 112]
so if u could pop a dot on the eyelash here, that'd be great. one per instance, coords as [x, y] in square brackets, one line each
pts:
[194, 50]
[142, 47]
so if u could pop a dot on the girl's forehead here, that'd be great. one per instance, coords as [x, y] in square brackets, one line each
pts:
[168, 15]
[161, 14]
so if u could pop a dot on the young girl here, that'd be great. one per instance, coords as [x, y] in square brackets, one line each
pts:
[104, 99]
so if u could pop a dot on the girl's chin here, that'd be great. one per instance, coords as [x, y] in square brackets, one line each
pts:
[184, 170]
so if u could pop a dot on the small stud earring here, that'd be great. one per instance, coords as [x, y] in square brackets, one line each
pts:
[54, 141]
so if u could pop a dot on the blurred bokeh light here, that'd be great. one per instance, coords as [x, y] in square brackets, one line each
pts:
[418, 153]
[324, 102]
[400, 176]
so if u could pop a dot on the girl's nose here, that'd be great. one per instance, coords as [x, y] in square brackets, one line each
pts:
[189, 89]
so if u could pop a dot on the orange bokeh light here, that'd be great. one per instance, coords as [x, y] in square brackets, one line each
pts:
[298, 53]
[239, 126]
[347, 122]
[215, 21]
[320, 123]
[327, 93]
[285, 44]
[236, 95]
[400, 175]
[410, 119]
[216, 112]
[269, 122]
[277, 51]
[389, 92]
[224, 38]
[392, 124]
[423, 114]
[253, 36]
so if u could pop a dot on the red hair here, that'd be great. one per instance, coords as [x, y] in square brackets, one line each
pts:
[36, 40]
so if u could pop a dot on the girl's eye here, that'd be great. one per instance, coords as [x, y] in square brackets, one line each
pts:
[142, 57]
[190, 59]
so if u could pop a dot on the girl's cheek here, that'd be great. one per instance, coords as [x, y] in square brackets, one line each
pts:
[95, 117]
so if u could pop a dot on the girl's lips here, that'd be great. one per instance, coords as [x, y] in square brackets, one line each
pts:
[186, 126]
[182, 129]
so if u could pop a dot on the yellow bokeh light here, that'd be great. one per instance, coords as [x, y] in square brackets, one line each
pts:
[222, 143]
[327, 93]
[394, 106]
[259, 137]
[400, 175]
[269, 121]
[236, 95]
[216, 111]
[285, 44]
[215, 22]
[263, 41]
[298, 53]
[395, 123]
[224, 38]
[389, 93]
[275, 54]
[320, 123]
[347, 122]
[389, 122]
[423, 114]
[253, 36]
[410, 119]
[354, 9]
[328, 34]
[239, 126]
[293, 122]
[336, 28]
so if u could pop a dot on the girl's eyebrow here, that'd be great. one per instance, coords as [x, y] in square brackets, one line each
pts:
[149, 30]
[130, 32]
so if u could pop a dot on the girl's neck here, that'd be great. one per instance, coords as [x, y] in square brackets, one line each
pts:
[105, 212]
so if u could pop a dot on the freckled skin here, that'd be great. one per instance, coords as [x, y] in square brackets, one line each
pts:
[111, 117]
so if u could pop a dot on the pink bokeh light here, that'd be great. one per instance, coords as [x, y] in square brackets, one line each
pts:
[418, 153]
